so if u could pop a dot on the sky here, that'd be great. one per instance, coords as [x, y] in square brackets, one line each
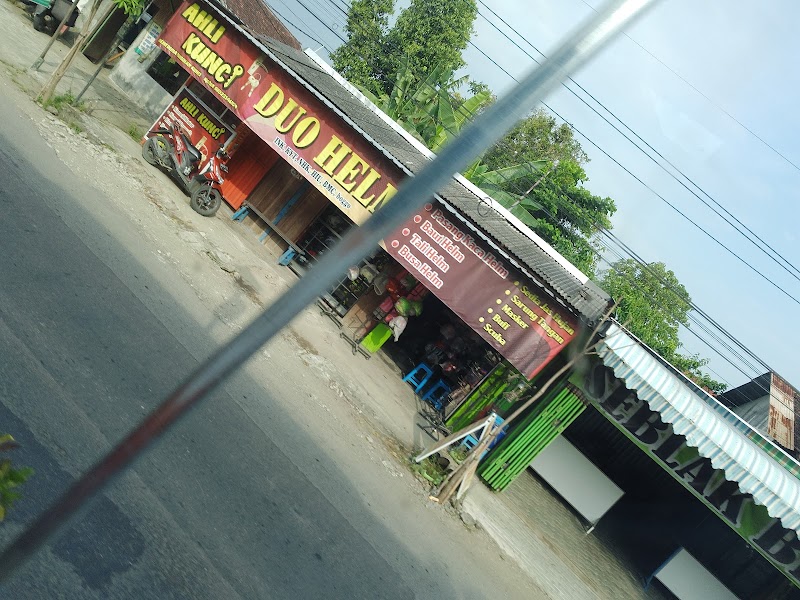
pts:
[680, 79]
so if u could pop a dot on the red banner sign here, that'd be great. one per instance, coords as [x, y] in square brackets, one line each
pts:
[205, 131]
[514, 315]
[328, 152]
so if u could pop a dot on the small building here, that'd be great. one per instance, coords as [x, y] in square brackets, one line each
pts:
[770, 404]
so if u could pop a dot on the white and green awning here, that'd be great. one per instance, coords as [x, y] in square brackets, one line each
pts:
[755, 463]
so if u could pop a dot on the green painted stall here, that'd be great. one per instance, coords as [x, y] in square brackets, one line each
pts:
[501, 388]
[547, 420]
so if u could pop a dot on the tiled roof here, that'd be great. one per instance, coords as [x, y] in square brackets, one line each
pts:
[257, 18]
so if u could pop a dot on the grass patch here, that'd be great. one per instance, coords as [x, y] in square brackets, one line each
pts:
[458, 453]
[76, 128]
[135, 132]
[431, 470]
[60, 101]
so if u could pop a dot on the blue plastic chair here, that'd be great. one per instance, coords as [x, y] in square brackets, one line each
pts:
[470, 441]
[436, 395]
[419, 376]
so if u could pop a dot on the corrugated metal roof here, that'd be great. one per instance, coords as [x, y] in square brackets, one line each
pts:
[582, 296]
[729, 443]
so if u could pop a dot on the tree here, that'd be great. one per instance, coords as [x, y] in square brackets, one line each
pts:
[130, 7]
[540, 135]
[361, 60]
[431, 33]
[428, 35]
[557, 205]
[428, 108]
[653, 304]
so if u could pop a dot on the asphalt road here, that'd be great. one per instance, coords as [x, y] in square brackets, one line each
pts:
[217, 509]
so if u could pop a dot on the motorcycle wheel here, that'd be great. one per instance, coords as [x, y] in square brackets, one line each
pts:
[149, 151]
[205, 200]
[39, 23]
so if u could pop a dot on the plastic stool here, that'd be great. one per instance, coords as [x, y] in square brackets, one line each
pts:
[436, 395]
[414, 376]
[287, 257]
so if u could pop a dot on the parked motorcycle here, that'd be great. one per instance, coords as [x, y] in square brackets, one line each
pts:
[172, 150]
[47, 14]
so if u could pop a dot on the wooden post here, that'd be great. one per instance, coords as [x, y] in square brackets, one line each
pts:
[49, 88]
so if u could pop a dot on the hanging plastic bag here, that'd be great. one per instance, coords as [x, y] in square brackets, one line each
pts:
[398, 326]
[352, 273]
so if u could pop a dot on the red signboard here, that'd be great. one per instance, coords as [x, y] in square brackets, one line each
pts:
[324, 149]
[511, 313]
[205, 130]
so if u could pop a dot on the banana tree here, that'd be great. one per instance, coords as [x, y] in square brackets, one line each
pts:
[493, 183]
[430, 110]
[426, 108]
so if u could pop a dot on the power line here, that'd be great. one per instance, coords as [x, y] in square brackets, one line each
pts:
[776, 256]
[297, 27]
[328, 27]
[735, 353]
[709, 100]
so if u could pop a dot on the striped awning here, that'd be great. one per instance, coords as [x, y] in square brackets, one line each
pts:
[755, 463]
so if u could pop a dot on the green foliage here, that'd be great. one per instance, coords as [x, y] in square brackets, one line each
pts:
[361, 60]
[430, 469]
[458, 453]
[135, 132]
[59, 101]
[10, 478]
[426, 107]
[692, 366]
[540, 136]
[653, 304]
[428, 35]
[431, 33]
[132, 8]
[557, 206]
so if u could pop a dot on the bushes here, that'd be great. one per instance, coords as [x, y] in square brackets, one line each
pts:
[10, 477]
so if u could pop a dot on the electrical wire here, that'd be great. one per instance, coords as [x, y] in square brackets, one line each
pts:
[714, 206]
[709, 100]
[674, 207]
[297, 27]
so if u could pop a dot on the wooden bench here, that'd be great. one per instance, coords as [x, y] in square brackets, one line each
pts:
[271, 227]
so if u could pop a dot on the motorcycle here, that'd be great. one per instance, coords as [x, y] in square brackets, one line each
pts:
[171, 149]
[47, 14]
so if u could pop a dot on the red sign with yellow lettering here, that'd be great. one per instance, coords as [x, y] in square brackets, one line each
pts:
[322, 147]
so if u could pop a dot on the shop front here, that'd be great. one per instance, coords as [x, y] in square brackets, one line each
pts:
[439, 296]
